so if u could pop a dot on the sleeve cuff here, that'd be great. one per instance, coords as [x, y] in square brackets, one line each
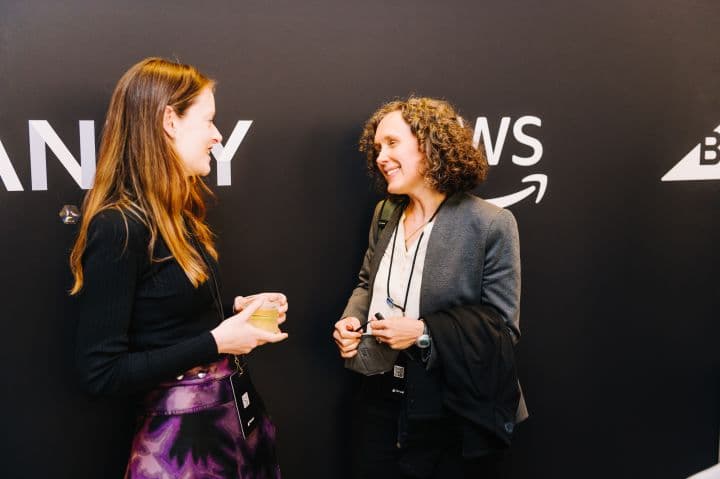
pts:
[203, 349]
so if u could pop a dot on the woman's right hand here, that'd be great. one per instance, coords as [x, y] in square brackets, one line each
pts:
[236, 336]
[346, 338]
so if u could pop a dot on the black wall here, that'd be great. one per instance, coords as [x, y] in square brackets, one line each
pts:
[620, 294]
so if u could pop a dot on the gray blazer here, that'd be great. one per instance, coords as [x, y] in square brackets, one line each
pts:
[473, 257]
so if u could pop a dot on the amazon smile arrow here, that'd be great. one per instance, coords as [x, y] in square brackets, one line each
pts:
[511, 199]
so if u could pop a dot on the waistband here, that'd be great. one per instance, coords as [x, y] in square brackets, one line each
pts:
[199, 388]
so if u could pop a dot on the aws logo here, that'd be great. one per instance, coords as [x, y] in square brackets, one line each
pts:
[700, 163]
[43, 137]
[494, 149]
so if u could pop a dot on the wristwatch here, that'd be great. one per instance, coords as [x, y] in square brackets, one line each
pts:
[423, 341]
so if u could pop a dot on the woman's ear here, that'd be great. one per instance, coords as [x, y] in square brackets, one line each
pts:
[169, 119]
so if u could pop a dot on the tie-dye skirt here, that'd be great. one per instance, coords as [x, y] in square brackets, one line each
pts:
[190, 429]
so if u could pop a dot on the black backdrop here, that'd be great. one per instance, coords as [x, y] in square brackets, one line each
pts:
[620, 294]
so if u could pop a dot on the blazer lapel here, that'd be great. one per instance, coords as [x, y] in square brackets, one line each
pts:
[435, 277]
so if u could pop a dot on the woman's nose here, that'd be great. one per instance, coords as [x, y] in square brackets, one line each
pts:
[382, 156]
[217, 137]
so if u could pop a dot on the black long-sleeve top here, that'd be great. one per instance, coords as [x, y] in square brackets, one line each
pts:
[141, 321]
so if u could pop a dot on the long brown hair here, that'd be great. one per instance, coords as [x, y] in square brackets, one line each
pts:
[139, 171]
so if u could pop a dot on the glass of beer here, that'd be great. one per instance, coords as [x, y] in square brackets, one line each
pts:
[266, 316]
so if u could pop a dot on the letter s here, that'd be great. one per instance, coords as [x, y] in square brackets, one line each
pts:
[530, 141]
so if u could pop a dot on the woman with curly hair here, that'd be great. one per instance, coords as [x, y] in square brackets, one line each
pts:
[151, 323]
[438, 299]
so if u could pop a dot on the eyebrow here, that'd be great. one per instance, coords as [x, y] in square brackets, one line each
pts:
[388, 136]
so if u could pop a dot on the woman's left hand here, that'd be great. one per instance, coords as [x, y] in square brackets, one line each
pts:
[242, 301]
[398, 332]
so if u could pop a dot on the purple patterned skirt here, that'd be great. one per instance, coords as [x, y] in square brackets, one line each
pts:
[189, 428]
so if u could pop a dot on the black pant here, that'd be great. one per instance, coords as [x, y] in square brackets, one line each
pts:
[433, 450]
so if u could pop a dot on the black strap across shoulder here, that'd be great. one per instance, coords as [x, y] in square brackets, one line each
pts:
[386, 210]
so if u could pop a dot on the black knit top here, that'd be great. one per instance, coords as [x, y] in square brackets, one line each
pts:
[141, 322]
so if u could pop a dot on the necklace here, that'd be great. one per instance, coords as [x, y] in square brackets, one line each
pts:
[407, 237]
[388, 299]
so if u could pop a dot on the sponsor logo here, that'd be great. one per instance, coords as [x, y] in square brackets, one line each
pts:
[700, 163]
[42, 137]
[493, 149]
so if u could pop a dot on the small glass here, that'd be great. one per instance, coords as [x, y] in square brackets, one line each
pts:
[266, 316]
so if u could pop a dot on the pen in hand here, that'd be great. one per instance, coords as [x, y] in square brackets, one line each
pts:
[378, 316]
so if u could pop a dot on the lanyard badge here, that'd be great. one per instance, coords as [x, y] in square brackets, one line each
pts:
[247, 401]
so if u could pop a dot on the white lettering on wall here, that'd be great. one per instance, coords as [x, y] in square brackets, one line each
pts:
[7, 172]
[530, 141]
[41, 133]
[42, 136]
[482, 131]
[494, 150]
[224, 154]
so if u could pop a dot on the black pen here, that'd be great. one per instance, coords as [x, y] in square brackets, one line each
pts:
[378, 316]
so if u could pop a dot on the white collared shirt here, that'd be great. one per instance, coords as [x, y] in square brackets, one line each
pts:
[401, 266]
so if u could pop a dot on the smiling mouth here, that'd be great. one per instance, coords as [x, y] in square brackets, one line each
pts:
[391, 171]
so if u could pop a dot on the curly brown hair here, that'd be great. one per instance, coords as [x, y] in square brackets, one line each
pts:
[453, 164]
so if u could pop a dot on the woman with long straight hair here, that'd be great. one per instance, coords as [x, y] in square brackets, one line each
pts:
[151, 319]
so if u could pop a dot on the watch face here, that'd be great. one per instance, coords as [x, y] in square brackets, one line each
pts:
[423, 341]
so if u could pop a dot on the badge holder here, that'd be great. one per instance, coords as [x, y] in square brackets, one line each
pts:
[247, 402]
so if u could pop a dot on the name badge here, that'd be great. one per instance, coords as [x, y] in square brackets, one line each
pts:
[247, 402]
[398, 382]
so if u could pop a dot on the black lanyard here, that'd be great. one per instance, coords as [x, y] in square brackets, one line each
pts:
[388, 299]
[215, 293]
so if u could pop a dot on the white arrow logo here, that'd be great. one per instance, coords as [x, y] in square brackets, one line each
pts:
[507, 200]
[701, 163]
